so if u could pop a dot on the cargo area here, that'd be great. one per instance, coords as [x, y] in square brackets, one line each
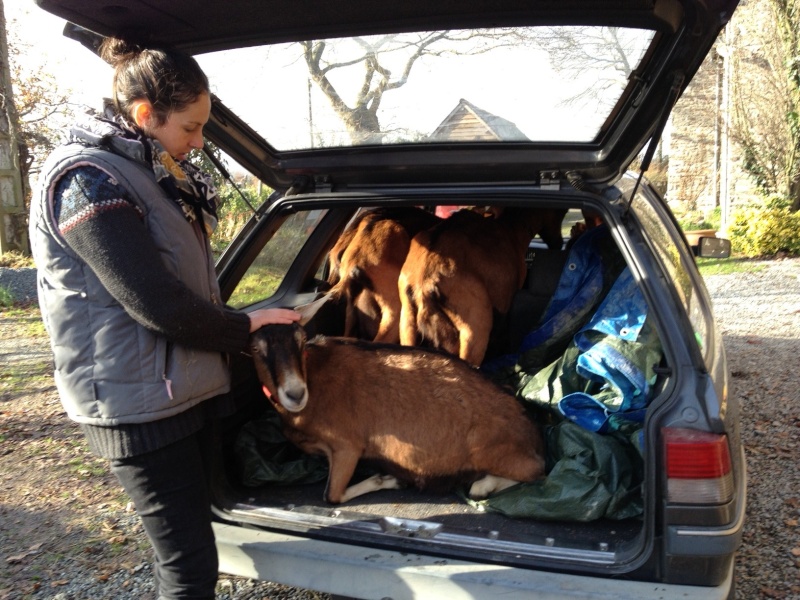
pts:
[259, 491]
[435, 523]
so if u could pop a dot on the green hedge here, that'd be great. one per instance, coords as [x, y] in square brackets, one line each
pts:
[765, 230]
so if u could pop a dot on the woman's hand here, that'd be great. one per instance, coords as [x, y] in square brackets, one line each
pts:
[272, 316]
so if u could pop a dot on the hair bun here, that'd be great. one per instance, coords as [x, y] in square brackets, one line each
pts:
[116, 50]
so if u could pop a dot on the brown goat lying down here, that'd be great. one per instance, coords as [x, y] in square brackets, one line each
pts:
[426, 417]
[458, 273]
[365, 264]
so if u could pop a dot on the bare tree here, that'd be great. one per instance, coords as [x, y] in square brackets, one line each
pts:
[42, 110]
[765, 118]
[33, 115]
[611, 51]
[374, 54]
[12, 210]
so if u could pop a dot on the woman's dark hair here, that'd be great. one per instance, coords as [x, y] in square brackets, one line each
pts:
[168, 79]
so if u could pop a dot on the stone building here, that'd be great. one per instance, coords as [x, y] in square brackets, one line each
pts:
[705, 162]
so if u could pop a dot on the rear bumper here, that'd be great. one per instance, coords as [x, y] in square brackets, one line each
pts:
[705, 554]
[693, 541]
[369, 573]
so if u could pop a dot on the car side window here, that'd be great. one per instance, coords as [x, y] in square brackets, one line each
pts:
[675, 259]
[269, 268]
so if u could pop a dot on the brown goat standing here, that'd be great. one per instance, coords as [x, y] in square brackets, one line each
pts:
[424, 416]
[459, 272]
[365, 264]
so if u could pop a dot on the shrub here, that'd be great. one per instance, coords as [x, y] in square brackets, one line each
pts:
[15, 260]
[234, 212]
[6, 298]
[714, 218]
[696, 220]
[765, 230]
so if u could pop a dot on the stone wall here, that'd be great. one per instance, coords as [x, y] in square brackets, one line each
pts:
[694, 151]
[705, 162]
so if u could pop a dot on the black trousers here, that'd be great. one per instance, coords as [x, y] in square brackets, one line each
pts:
[169, 488]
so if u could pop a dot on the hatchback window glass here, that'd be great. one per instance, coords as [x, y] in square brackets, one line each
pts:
[267, 271]
[555, 84]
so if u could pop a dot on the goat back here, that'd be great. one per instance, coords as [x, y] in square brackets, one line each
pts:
[429, 413]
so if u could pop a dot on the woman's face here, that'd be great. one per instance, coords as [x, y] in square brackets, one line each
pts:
[183, 131]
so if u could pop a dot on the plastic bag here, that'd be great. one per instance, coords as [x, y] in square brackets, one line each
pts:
[591, 476]
[266, 456]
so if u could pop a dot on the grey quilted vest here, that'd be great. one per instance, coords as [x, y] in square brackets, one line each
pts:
[109, 369]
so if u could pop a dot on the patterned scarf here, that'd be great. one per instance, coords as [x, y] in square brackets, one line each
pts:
[188, 186]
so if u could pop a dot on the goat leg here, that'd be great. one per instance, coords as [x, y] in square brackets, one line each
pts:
[471, 314]
[388, 331]
[341, 466]
[371, 484]
[408, 313]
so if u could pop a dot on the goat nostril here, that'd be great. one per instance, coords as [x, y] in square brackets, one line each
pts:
[296, 394]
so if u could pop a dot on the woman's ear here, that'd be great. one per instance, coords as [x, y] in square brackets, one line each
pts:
[142, 113]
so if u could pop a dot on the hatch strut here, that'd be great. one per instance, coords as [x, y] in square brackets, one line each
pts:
[672, 98]
[221, 168]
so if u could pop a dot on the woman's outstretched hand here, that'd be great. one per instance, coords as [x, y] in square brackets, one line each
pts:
[272, 316]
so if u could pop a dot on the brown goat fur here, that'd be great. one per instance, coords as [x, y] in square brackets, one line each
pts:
[458, 273]
[365, 264]
[424, 415]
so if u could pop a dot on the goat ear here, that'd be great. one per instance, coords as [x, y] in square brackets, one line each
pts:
[299, 336]
[309, 310]
[258, 344]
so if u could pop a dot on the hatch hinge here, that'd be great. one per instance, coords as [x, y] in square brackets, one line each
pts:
[550, 180]
[323, 184]
[302, 184]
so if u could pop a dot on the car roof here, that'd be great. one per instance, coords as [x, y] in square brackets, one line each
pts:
[683, 33]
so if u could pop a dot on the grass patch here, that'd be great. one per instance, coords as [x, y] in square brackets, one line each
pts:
[85, 468]
[25, 320]
[727, 266]
[17, 378]
[22, 311]
[35, 328]
[259, 283]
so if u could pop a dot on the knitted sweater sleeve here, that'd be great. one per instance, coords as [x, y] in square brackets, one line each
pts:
[104, 227]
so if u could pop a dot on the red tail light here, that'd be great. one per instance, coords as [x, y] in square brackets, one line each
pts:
[698, 466]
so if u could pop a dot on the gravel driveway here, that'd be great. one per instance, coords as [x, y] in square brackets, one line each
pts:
[759, 311]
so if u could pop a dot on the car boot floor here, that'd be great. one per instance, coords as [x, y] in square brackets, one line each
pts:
[449, 510]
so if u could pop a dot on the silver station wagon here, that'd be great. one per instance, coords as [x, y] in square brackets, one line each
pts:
[381, 126]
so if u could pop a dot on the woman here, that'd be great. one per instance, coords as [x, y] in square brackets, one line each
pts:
[130, 299]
